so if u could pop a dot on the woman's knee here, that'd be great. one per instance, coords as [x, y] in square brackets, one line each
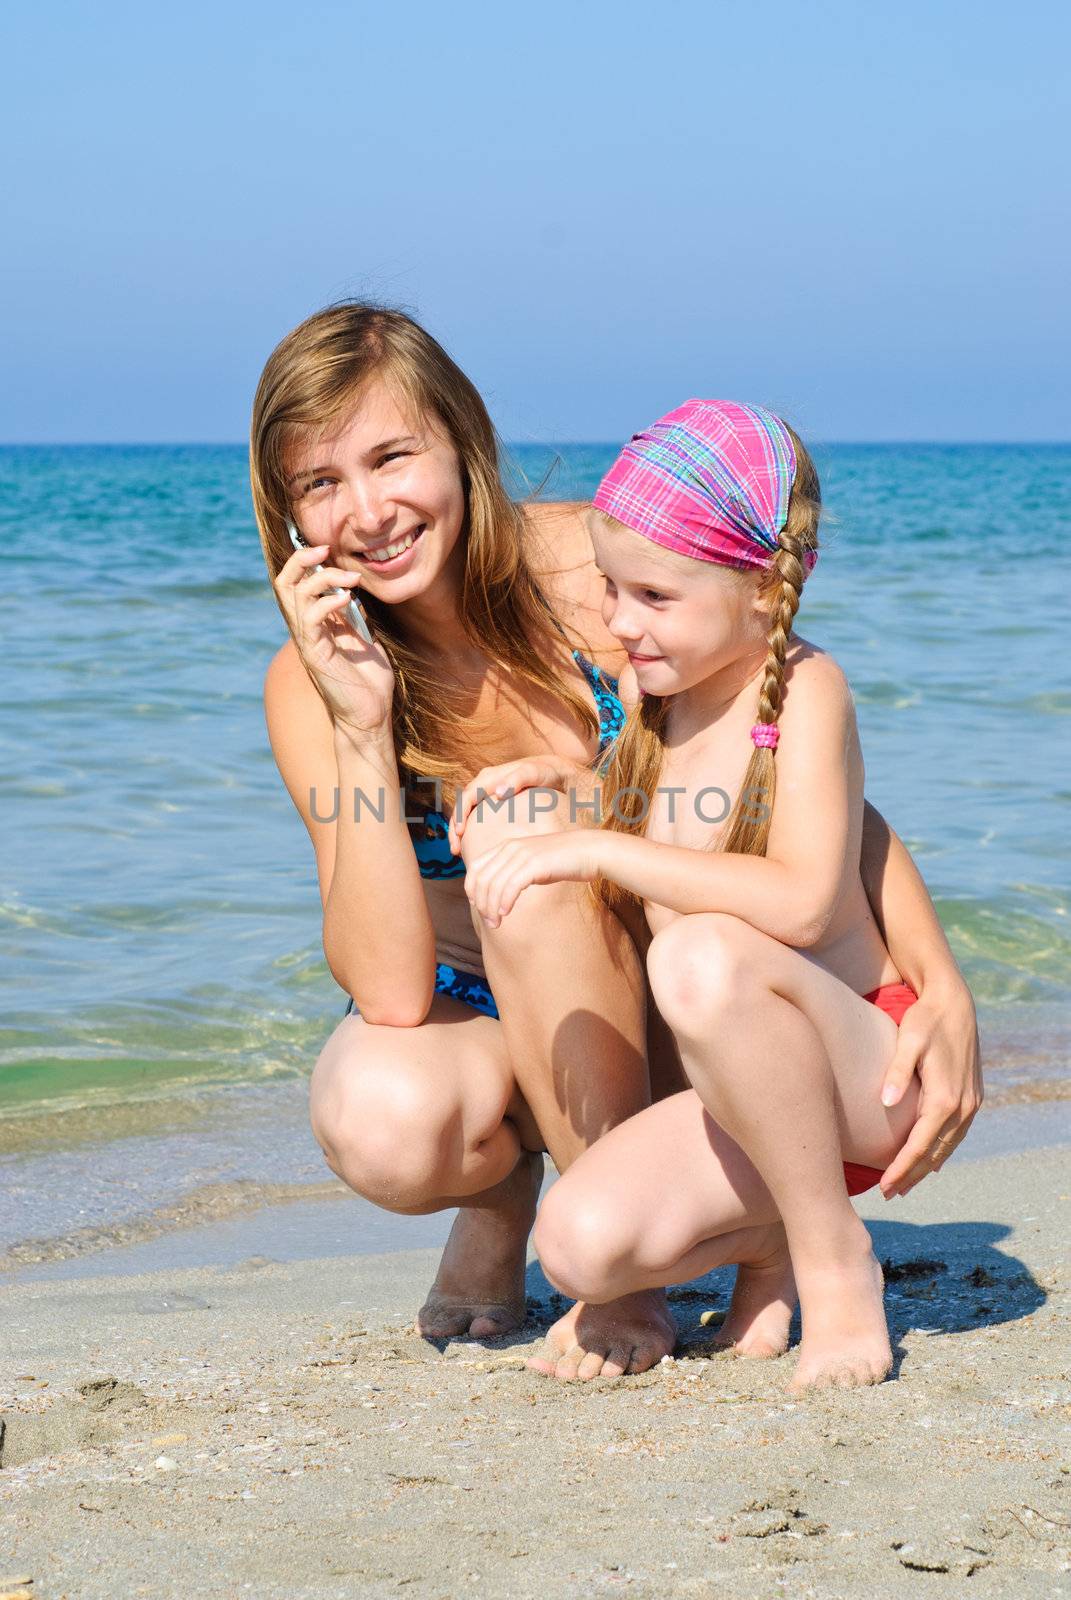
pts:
[700, 965]
[380, 1126]
[533, 811]
[534, 911]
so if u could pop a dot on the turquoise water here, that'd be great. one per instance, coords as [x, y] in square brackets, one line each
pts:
[159, 920]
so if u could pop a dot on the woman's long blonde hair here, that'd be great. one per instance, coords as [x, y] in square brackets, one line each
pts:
[635, 765]
[313, 379]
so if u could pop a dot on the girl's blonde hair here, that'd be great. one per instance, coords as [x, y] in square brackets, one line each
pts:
[636, 763]
[312, 380]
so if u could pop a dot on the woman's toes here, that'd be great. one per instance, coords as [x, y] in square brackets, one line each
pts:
[435, 1322]
[494, 1324]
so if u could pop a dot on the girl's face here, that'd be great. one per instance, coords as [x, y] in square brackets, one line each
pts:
[384, 491]
[681, 620]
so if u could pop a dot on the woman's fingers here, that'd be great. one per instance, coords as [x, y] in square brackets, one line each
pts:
[942, 1049]
[315, 583]
[305, 570]
[483, 882]
[324, 606]
[950, 1138]
[295, 566]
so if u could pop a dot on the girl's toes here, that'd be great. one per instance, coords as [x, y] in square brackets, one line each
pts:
[644, 1357]
[593, 1363]
[617, 1362]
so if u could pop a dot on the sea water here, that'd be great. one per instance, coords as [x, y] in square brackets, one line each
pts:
[159, 916]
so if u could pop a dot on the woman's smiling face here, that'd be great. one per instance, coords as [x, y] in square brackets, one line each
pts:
[681, 620]
[383, 481]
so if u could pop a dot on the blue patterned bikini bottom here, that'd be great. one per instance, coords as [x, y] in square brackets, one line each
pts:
[468, 987]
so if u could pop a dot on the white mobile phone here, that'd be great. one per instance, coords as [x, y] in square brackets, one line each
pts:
[353, 613]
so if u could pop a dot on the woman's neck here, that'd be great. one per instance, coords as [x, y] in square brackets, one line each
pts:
[431, 622]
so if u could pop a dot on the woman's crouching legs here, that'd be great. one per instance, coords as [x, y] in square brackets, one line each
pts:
[417, 1119]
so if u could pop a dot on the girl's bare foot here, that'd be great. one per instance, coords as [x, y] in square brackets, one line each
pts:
[845, 1335]
[626, 1335]
[764, 1298]
[479, 1288]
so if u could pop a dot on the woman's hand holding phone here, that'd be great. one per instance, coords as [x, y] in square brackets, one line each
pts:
[353, 674]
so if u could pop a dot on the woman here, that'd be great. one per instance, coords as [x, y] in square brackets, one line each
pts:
[468, 1050]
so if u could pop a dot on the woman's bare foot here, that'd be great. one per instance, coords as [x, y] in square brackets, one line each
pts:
[845, 1335]
[479, 1288]
[626, 1335]
[764, 1298]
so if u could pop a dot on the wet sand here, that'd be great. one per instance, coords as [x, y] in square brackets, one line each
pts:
[272, 1427]
[150, 1184]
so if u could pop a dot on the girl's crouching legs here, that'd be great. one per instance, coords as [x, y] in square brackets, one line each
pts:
[789, 1061]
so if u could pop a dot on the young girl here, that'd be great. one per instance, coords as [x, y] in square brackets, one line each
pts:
[732, 811]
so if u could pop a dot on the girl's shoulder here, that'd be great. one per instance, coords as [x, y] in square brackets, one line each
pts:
[818, 701]
[559, 552]
[813, 671]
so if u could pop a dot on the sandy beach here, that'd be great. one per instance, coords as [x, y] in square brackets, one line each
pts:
[272, 1427]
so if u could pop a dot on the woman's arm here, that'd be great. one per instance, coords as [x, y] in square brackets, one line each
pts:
[366, 867]
[938, 1037]
[903, 909]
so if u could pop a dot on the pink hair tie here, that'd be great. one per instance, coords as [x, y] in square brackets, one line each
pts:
[764, 735]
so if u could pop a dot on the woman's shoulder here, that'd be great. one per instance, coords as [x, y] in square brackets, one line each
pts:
[286, 677]
[556, 539]
[559, 552]
[296, 715]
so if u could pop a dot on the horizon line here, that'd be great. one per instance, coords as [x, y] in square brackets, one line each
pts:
[510, 444]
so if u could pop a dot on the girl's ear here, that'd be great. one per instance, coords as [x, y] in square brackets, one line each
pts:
[761, 593]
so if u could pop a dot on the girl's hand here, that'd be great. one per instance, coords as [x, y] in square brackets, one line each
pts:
[496, 879]
[355, 678]
[546, 771]
[938, 1039]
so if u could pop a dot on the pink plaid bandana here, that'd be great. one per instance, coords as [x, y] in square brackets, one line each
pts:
[711, 479]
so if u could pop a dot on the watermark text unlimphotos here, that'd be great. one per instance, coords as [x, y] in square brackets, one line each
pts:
[710, 804]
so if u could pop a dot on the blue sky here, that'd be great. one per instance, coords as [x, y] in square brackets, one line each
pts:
[855, 213]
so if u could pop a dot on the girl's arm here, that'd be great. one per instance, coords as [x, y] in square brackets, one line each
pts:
[791, 893]
[938, 1037]
[366, 867]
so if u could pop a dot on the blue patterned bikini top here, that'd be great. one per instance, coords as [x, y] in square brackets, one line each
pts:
[429, 835]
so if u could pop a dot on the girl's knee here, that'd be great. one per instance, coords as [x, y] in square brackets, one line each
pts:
[577, 1241]
[698, 965]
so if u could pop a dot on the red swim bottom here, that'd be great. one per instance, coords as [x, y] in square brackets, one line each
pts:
[894, 999]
